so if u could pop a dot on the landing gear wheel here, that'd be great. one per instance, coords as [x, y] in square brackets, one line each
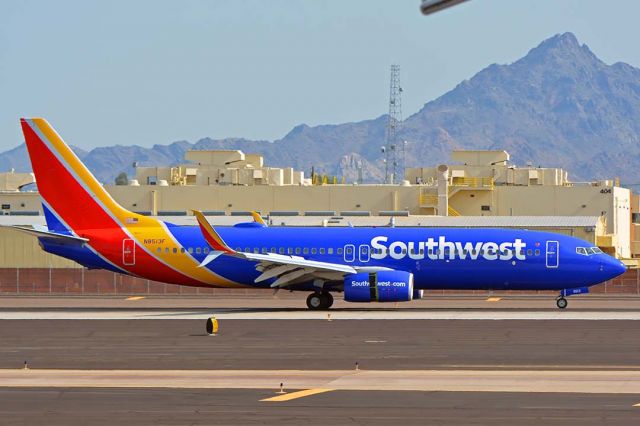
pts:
[319, 301]
[328, 299]
[561, 302]
[315, 301]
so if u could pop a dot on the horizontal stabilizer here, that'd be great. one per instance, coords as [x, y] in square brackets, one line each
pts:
[49, 234]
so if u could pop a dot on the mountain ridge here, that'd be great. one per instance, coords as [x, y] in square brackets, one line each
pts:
[557, 106]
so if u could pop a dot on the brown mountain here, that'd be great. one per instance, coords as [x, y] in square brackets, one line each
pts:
[558, 106]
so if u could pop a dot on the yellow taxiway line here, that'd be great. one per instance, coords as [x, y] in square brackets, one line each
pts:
[135, 298]
[493, 299]
[296, 395]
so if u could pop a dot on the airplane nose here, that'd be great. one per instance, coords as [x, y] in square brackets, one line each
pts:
[612, 267]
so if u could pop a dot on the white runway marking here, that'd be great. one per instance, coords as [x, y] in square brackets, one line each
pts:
[618, 382]
[115, 314]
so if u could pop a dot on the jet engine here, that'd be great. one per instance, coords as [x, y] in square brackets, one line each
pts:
[381, 286]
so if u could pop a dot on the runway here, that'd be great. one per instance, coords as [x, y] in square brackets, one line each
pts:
[320, 344]
[467, 361]
[141, 407]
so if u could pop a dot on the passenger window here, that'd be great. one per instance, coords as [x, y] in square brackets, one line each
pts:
[197, 250]
[297, 250]
[206, 250]
[175, 249]
[190, 250]
[339, 251]
[289, 250]
[182, 250]
[529, 252]
[305, 250]
[313, 251]
[322, 251]
[273, 249]
[537, 252]
[264, 250]
[247, 250]
[330, 250]
[256, 250]
[281, 250]
[159, 250]
[166, 250]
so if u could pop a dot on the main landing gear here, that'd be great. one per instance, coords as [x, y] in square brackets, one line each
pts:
[561, 302]
[319, 301]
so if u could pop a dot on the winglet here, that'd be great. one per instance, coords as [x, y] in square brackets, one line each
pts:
[257, 217]
[215, 241]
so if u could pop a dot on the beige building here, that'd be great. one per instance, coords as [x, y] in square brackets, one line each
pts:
[476, 183]
[224, 167]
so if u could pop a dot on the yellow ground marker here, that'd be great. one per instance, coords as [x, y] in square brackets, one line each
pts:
[493, 299]
[135, 298]
[296, 395]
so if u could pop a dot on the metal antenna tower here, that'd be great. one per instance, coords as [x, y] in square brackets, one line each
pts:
[392, 163]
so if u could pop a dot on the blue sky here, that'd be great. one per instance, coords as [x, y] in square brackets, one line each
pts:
[147, 72]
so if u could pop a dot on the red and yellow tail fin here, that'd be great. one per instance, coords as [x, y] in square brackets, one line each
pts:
[67, 187]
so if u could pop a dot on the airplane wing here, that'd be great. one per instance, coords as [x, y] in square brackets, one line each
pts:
[48, 234]
[286, 269]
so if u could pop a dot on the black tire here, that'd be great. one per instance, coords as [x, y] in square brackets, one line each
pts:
[328, 300]
[561, 302]
[315, 301]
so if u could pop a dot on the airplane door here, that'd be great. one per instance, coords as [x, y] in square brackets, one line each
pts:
[552, 254]
[128, 252]
[363, 253]
[349, 253]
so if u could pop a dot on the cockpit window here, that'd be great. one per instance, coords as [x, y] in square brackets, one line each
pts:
[587, 251]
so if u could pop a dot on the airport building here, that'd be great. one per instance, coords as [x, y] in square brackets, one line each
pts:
[476, 189]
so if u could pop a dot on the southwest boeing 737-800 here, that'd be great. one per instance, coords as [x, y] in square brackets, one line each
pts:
[366, 264]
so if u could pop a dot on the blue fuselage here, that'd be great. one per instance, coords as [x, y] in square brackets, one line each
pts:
[439, 258]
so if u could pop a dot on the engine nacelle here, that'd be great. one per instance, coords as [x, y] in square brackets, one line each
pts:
[382, 286]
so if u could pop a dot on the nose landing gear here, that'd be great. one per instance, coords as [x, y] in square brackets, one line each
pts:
[561, 302]
[319, 301]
